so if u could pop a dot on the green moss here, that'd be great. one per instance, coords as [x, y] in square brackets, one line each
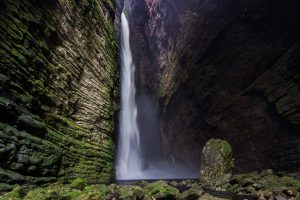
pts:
[78, 184]
[69, 123]
[6, 187]
[246, 179]
[278, 184]
[41, 79]
[160, 189]
[128, 192]
[59, 192]
[16, 194]
[264, 182]
[18, 55]
[30, 151]
[37, 194]
[191, 194]
[94, 192]
[32, 124]
[216, 161]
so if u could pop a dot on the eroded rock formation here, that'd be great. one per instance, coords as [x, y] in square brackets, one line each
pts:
[223, 69]
[58, 91]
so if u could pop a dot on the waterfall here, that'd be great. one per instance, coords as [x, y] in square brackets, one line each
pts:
[134, 162]
[129, 163]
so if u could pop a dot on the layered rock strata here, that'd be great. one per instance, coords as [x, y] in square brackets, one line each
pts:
[58, 91]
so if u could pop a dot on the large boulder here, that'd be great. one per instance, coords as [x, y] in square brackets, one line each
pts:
[216, 160]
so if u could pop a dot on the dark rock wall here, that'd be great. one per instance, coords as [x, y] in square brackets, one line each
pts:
[223, 69]
[58, 91]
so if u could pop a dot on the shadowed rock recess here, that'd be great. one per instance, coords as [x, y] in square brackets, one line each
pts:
[223, 69]
[58, 91]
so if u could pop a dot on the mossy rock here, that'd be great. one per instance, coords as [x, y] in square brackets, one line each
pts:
[160, 190]
[265, 184]
[32, 125]
[54, 195]
[16, 194]
[38, 194]
[190, 194]
[243, 180]
[279, 184]
[8, 110]
[78, 184]
[216, 160]
[129, 192]
[93, 192]
[221, 183]
[4, 187]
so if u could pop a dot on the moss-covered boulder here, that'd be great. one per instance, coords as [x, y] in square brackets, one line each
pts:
[216, 160]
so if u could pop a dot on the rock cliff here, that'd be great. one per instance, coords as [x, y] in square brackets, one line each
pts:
[58, 91]
[223, 69]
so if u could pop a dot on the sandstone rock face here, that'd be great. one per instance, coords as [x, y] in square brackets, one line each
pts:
[216, 160]
[58, 91]
[223, 69]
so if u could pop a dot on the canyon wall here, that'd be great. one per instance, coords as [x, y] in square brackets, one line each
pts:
[222, 69]
[58, 91]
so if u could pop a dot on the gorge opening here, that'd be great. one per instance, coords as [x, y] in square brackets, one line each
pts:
[140, 152]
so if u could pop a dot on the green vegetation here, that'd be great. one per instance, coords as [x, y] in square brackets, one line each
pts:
[78, 184]
[160, 189]
[263, 186]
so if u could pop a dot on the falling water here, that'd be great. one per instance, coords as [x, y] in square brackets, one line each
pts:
[134, 162]
[129, 164]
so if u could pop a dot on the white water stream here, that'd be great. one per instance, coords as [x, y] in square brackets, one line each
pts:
[130, 164]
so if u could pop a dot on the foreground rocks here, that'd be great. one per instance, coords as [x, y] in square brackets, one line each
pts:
[79, 190]
[257, 185]
[266, 185]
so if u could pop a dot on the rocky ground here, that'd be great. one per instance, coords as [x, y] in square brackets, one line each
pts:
[256, 185]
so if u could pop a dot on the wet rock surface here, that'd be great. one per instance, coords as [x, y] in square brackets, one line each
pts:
[58, 91]
[253, 186]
